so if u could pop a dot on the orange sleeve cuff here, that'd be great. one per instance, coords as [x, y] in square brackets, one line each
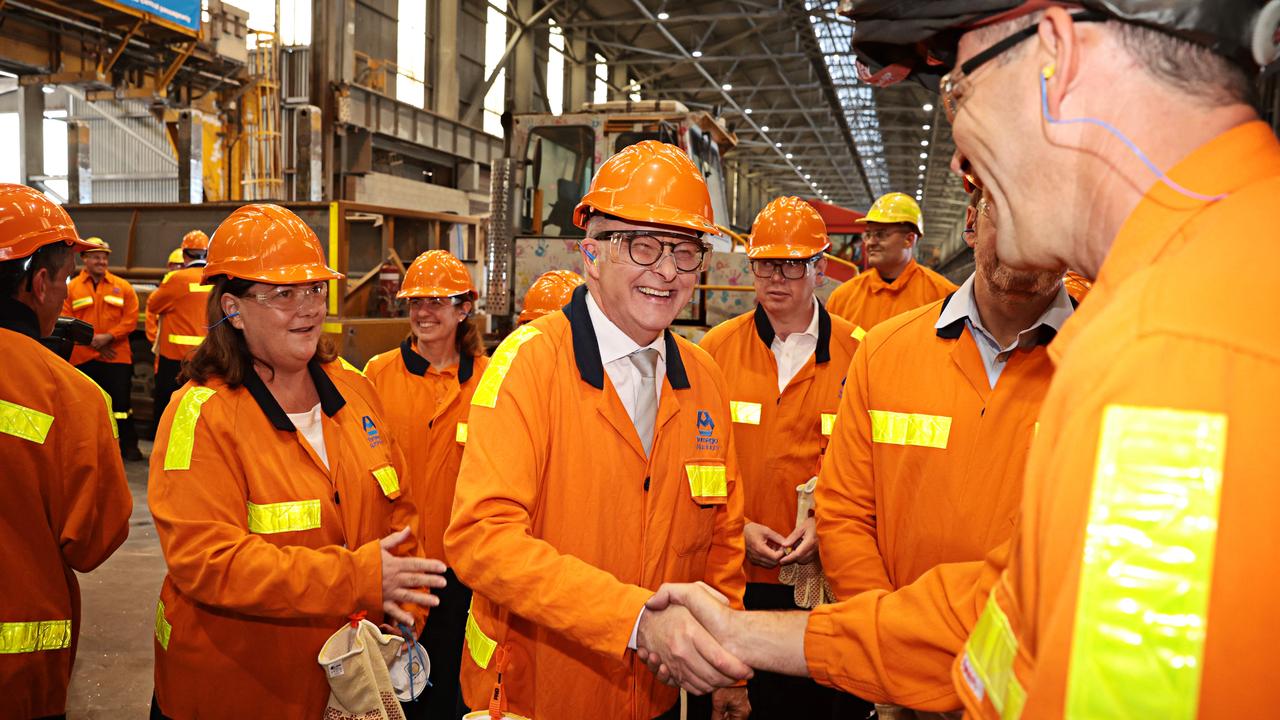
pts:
[819, 644]
[368, 566]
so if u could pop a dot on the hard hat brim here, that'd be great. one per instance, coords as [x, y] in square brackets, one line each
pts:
[645, 213]
[785, 252]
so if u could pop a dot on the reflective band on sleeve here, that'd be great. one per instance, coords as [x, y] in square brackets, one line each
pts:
[113, 300]
[707, 483]
[460, 434]
[284, 517]
[348, 366]
[747, 413]
[82, 302]
[25, 637]
[182, 433]
[121, 415]
[828, 423]
[389, 480]
[23, 422]
[186, 339]
[895, 428]
[858, 333]
[1141, 608]
[479, 644]
[199, 288]
[163, 628]
[486, 394]
[988, 655]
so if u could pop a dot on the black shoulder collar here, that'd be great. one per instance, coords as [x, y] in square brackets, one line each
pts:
[413, 362]
[331, 400]
[586, 349]
[953, 330]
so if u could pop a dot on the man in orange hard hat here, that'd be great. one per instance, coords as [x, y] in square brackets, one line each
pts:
[566, 522]
[548, 294]
[893, 281]
[66, 503]
[181, 317]
[785, 365]
[108, 303]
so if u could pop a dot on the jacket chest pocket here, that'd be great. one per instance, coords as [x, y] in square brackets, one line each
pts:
[705, 489]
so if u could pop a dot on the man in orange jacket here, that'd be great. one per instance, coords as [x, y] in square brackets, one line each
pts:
[1132, 588]
[66, 503]
[600, 465]
[179, 307]
[785, 364]
[108, 303]
[893, 281]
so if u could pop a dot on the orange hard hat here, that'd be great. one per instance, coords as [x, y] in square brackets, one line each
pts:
[788, 228]
[650, 182]
[549, 293]
[437, 273]
[29, 221]
[268, 244]
[195, 240]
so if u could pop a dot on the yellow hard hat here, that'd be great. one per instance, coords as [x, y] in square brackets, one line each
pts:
[96, 244]
[896, 207]
[176, 257]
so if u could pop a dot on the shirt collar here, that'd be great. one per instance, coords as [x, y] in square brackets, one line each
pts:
[819, 327]
[19, 317]
[331, 400]
[961, 306]
[418, 365]
[587, 322]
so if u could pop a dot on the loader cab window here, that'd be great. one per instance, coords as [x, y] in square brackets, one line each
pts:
[558, 165]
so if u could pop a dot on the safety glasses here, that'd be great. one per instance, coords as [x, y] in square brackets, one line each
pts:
[290, 298]
[647, 248]
[790, 269]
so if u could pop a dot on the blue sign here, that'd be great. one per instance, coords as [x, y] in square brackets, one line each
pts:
[179, 12]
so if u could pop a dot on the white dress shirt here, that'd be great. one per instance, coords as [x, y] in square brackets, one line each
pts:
[796, 350]
[308, 423]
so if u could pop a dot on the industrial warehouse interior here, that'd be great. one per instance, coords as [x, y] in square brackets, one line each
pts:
[541, 359]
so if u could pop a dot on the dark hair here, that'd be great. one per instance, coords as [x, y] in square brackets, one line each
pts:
[224, 354]
[14, 274]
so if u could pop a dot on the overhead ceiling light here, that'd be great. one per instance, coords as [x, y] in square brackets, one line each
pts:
[788, 156]
[764, 128]
[777, 144]
[806, 176]
[921, 176]
[48, 89]
[924, 156]
[726, 87]
[924, 143]
[923, 168]
[928, 107]
[663, 16]
[799, 167]
[926, 126]
[696, 53]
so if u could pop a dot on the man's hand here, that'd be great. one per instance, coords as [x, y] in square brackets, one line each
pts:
[730, 704]
[101, 340]
[404, 579]
[764, 546]
[803, 542]
[710, 609]
[683, 653]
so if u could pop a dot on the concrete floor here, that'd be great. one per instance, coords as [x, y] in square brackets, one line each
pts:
[112, 677]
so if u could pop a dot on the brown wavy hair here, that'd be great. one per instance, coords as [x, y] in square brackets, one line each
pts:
[224, 354]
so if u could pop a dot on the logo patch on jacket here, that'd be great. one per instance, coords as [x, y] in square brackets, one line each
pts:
[371, 432]
[706, 432]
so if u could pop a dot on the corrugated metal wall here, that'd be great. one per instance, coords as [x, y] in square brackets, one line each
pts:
[124, 168]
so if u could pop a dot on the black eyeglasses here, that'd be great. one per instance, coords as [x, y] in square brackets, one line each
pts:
[955, 84]
[646, 248]
[790, 269]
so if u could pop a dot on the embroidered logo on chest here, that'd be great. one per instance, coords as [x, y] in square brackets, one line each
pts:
[371, 432]
[706, 439]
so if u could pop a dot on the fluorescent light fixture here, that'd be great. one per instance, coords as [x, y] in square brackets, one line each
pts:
[926, 127]
[923, 168]
[924, 143]
[747, 111]
[726, 87]
[664, 16]
[764, 128]
[697, 53]
[928, 107]
[924, 156]
[788, 156]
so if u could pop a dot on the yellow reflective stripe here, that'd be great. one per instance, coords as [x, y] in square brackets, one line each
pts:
[163, 628]
[389, 480]
[122, 415]
[988, 655]
[460, 434]
[23, 422]
[486, 394]
[335, 221]
[707, 481]
[284, 517]
[113, 300]
[349, 366]
[182, 433]
[82, 302]
[828, 423]
[895, 428]
[1138, 643]
[186, 339]
[858, 333]
[479, 644]
[331, 327]
[747, 413]
[25, 637]
[199, 287]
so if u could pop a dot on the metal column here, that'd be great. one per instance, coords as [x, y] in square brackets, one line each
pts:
[308, 154]
[444, 99]
[79, 172]
[190, 156]
[523, 65]
[31, 132]
[577, 72]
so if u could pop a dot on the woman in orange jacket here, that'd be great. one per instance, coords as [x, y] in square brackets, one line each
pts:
[274, 489]
[426, 385]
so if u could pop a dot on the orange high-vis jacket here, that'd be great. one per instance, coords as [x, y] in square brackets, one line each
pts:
[268, 551]
[110, 307]
[564, 529]
[426, 410]
[1141, 582]
[867, 300]
[926, 463]
[66, 507]
[180, 305]
[780, 438]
